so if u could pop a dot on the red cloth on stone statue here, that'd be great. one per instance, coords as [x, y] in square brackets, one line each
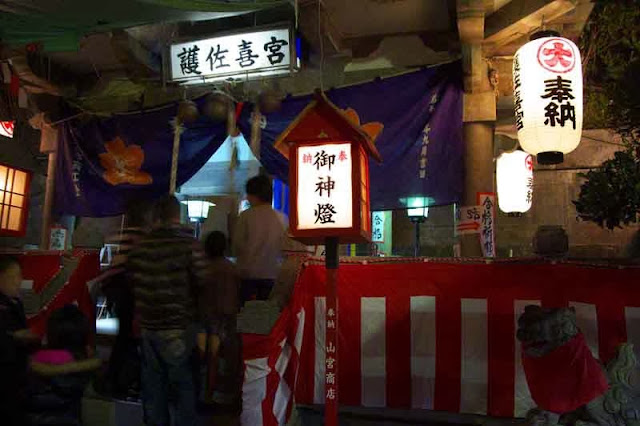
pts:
[566, 378]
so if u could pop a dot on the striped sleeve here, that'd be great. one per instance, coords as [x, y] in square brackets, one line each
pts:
[126, 241]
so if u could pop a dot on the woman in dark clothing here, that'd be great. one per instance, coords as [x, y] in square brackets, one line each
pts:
[14, 338]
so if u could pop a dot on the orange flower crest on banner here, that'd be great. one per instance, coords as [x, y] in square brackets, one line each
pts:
[372, 129]
[122, 164]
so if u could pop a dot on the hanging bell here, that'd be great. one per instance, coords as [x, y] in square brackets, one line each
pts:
[187, 112]
[269, 101]
[216, 106]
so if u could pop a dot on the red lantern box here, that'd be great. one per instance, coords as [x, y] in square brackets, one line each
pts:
[328, 174]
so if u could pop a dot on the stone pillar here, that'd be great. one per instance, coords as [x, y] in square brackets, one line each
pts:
[479, 113]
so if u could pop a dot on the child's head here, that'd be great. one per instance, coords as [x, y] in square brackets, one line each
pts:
[68, 328]
[166, 211]
[215, 244]
[10, 276]
[137, 213]
[259, 190]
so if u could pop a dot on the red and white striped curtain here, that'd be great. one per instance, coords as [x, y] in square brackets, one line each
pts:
[270, 369]
[442, 336]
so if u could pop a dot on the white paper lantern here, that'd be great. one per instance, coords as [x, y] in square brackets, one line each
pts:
[514, 173]
[547, 82]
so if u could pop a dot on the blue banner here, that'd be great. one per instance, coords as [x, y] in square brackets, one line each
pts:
[417, 118]
[418, 121]
[104, 163]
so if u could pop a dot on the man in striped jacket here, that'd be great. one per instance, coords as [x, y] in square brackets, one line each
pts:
[165, 269]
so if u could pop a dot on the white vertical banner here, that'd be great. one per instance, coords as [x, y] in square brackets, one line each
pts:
[320, 334]
[632, 316]
[487, 203]
[474, 351]
[423, 351]
[254, 390]
[373, 351]
[587, 322]
[283, 392]
[523, 401]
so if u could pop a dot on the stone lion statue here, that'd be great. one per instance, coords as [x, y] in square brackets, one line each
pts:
[567, 383]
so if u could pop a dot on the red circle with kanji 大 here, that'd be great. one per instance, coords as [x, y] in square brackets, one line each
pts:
[556, 55]
[7, 126]
[528, 162]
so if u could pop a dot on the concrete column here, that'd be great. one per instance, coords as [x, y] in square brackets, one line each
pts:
[479, 166]
[479, 113]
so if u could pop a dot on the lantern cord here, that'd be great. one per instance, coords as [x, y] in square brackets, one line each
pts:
[603, 141]
[122, 227]
[55, 123]
[320, 38]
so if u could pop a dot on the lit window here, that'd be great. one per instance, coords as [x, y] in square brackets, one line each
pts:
[14, 199]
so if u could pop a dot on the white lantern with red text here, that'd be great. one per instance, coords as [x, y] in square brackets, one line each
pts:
[6, 128]
[329, 175]
[547, 83]
[514, 173]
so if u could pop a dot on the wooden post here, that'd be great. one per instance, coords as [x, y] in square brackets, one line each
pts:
[331, 350]
[232, 128]
[256, 117]
[48, 199]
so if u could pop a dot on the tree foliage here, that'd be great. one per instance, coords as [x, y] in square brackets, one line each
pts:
[611, 195]
[610, 44]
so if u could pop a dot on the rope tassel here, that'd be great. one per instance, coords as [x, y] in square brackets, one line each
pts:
[177, 131]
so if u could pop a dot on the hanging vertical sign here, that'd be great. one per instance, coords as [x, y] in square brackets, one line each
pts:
[547, 83]
[487, 203]
[377, 227]
[331, 370]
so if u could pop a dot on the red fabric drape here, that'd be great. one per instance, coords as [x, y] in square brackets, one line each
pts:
[566, 378]
[74, 291]
[40, 268]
